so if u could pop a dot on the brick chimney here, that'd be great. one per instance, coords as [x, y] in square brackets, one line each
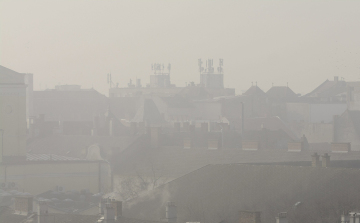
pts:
[354, 217]
[325, 160]
[43, 212]
[109, 213]
[23, 205]
[102, 206]
[282, 218]
[117, 205]
[315, 160]
[171, 212]
[249, 217]
[345, 218]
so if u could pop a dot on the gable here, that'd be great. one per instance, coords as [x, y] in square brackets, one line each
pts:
[8, 76]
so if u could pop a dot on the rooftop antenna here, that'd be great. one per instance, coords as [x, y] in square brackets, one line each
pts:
[221, 63]
[200, 65]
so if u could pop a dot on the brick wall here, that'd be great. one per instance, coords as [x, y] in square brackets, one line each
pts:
[249, 217]
[250, 145]
[295, 146]
[340, 147]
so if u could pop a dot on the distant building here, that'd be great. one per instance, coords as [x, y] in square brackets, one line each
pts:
[160, 84]
[36, 173]
[209, 78]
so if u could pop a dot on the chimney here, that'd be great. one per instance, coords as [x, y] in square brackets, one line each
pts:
[204, 127]
[315, 160]
[176, 126]
[117, 205]
[109, 213]
[171, 212]
[325, 160]
[23, 205]
[249, 217]
[102, 206]
[345, 218]
[282, 218]
[43, 212]
[155, 136]
[353, 217]
[336, 78]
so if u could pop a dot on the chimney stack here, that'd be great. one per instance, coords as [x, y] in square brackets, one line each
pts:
[315, 160]
[325, 160]
[345, 218]
[282, 218]
[171, 212]
[249, 217]
[109, 213]
[117, 205]
[23, 205]
[102, 206]
[336, 78]
[43, 212]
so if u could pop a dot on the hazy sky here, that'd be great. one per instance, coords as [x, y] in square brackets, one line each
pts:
[79, 42]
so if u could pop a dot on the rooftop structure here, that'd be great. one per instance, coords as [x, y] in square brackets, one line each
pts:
[209, 78]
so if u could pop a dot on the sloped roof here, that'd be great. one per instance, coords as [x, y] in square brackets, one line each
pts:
[281, 92]
[328, 89]
[8, 76]
[175, 161]
[148, 112]
[254, 90]
[217, 192]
